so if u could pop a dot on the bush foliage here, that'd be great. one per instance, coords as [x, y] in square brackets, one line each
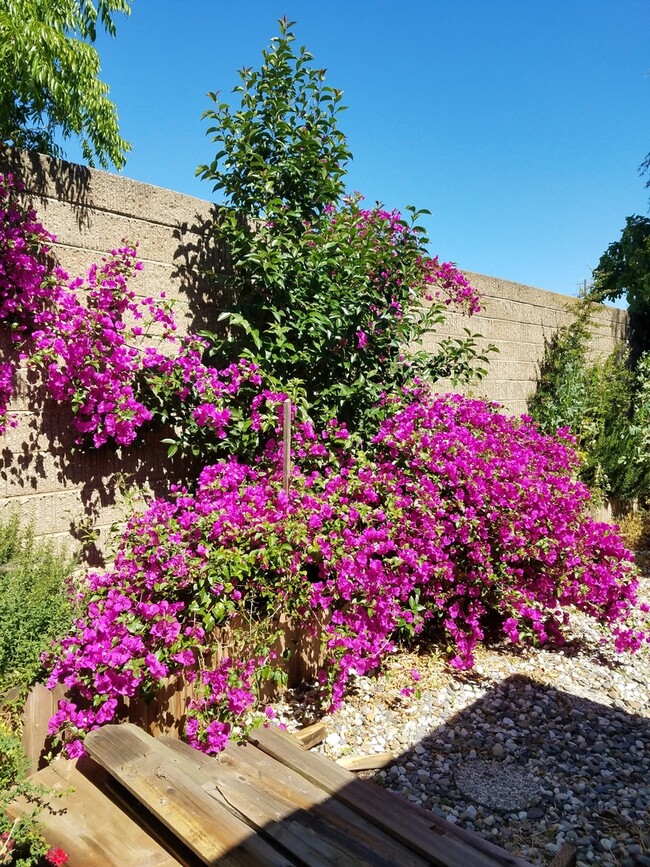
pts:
[35, 603]
[454, 515]
[35, 609]
[604, 403]
[329, 294]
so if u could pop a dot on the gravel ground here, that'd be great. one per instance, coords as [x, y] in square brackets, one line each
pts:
[531, 749]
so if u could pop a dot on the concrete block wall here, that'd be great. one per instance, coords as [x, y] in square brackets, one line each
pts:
[519, 320]
[67, 491]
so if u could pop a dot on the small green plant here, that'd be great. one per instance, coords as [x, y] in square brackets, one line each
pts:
[35, 602]
[635, 530]
[35, 608]
[21, 840]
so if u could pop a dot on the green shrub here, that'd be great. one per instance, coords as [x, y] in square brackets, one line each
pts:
[35, 602]
[605, 404]
[613, 431]
[560, 399]
[635, 530]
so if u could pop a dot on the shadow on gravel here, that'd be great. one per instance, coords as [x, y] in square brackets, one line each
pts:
[526, 767]
[529, 765]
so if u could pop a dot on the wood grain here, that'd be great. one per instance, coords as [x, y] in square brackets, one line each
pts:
[433, 838]
[366, 763]
[89, 827]
[311, 735]
[41, 704]
[156, 777]
[286, 808]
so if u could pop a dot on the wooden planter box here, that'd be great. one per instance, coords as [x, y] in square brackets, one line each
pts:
[165, 714]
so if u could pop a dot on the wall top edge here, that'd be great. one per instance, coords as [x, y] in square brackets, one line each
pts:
[509, 290]
[94, 189]
[86, 188]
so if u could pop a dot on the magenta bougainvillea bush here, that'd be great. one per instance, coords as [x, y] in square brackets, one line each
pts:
[114, 359]
[450, 517]
[454, 514]
[24, 279]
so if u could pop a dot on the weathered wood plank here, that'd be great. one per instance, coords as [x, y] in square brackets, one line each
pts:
[89, 827]
[42, 703]
[131, 807]
[155, 776]
[443, 843]
[566, 857]
[263, 812]
[366, 763]
[288, 809]
[310, 736]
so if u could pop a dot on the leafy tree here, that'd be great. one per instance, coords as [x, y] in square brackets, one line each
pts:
[604, 403]
[560, 399]
[624, 268]
[282, 156]
[328, 293]
[624, 271]
[49, 77]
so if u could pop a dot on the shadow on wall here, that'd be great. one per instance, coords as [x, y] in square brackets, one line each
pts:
[80, 487]
[71, 182]
[202, 267]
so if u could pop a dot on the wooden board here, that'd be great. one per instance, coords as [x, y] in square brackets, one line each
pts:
[288, 810]
[311, 735]
[89, 827]
[42, 703]
[159, 803]
[367, 763]
[435, 839]
[156, 777]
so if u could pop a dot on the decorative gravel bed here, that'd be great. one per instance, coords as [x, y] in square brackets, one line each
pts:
[531, 749]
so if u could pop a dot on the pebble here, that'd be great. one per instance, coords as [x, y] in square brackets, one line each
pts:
[571, 728]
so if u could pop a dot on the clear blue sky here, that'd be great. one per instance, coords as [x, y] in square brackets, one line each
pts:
[519, 123]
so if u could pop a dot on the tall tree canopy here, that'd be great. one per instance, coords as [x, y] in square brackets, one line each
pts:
[49, 77]
[624, 268]
[624, 271]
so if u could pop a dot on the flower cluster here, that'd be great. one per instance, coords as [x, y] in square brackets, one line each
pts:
[85, 351]
[224, 704]
[178, 573]
[395, 265]
[446, 282]
[117, 376]
[24, 287]
[456, 517]
[210, 408]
